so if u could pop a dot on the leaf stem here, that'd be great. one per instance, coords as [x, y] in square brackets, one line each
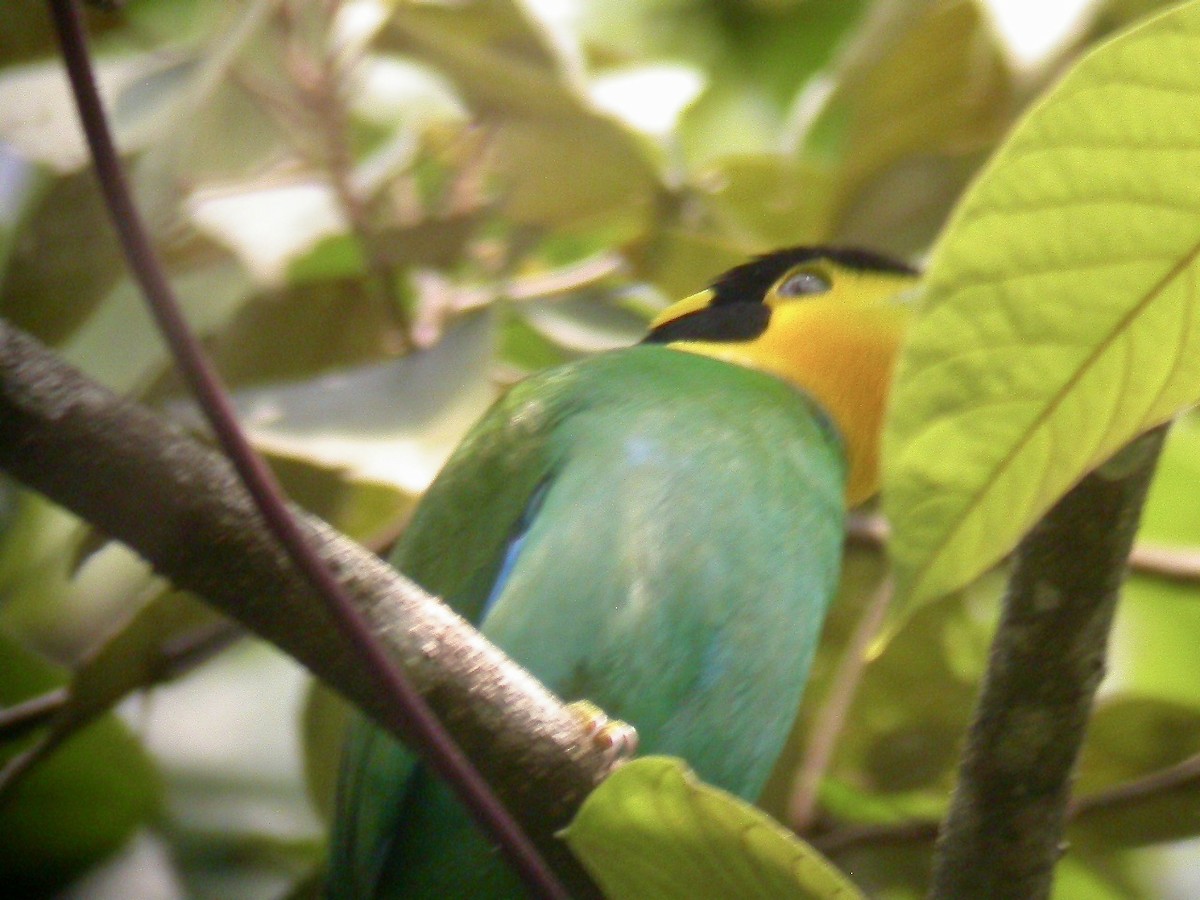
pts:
[18, 720]
[842, 839]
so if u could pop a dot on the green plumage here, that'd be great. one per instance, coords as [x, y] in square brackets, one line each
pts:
[666, 532]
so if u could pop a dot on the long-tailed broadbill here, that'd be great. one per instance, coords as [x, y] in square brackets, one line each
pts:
[656, 530]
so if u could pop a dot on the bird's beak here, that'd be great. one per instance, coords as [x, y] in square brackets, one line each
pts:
[681, 308]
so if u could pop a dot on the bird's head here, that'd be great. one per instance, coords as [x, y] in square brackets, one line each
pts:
[828, 320]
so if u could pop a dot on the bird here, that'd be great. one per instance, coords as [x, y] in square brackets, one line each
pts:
[656, 530]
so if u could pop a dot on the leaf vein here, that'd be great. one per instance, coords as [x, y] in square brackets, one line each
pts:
[1057, 398]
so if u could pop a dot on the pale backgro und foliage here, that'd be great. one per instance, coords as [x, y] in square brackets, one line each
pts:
[333, 182]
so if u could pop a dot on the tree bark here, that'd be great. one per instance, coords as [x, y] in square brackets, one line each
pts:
[1003, 834]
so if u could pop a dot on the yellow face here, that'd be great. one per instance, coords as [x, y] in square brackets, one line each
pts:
[833, 328]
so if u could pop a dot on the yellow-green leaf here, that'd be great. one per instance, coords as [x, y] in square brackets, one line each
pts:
[923, 77]
[653, 831]
[78, 806]
[503, 60]
[580, 171]
[767, 200]
[1061, 314]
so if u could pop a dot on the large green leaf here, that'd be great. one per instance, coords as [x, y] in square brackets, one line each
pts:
[680, 262]
[77, 807]
[1132, 738]
[143, 651]
[652, 830]
[767, 201]
[209, 296]
[576, 171]
[1060, 316]
[51, 285]
[503, 60]
[925, 76]
[920, 94]
[585, 323]
[393, 422]
[324, 721]
[559, 162]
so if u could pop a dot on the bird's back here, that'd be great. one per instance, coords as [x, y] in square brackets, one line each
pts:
[655, 531]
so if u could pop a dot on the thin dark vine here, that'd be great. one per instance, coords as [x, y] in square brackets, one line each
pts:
[412, 714]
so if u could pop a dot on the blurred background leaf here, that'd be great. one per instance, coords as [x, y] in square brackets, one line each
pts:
[380, 214]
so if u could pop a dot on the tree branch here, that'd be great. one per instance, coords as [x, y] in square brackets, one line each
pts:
[1003, 834]
[1181, 564]
[181, 507]
[840, 839]
[29, 715]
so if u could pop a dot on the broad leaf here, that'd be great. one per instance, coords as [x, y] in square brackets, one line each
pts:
[1135, 738]
[393, 422]
[769, 201]
[324, 721]
[1060, 318]
[79, 806]
[923, 77]
[209, 296]
[502, 60]
[652, 830]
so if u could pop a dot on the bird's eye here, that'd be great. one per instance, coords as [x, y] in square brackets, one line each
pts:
[803, 283]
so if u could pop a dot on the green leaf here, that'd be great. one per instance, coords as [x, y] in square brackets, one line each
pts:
[52, 282]
[560, 164]
[575, 171]
[1060, 318]
[393, 423]
[370, 512]
[1129, 737]
[921, 94]
[209, 297]
[501, 59]
[301, 215]
[289, 336]
[1109, 16]
[77, 807]
[1134, 738]
[25, 186]
[680, 262]
[525, 348]
[586, 322]
[140, 654]
[1075, 879]
[770, 201]
[924, 77]
[37, 552]
[652, 830]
